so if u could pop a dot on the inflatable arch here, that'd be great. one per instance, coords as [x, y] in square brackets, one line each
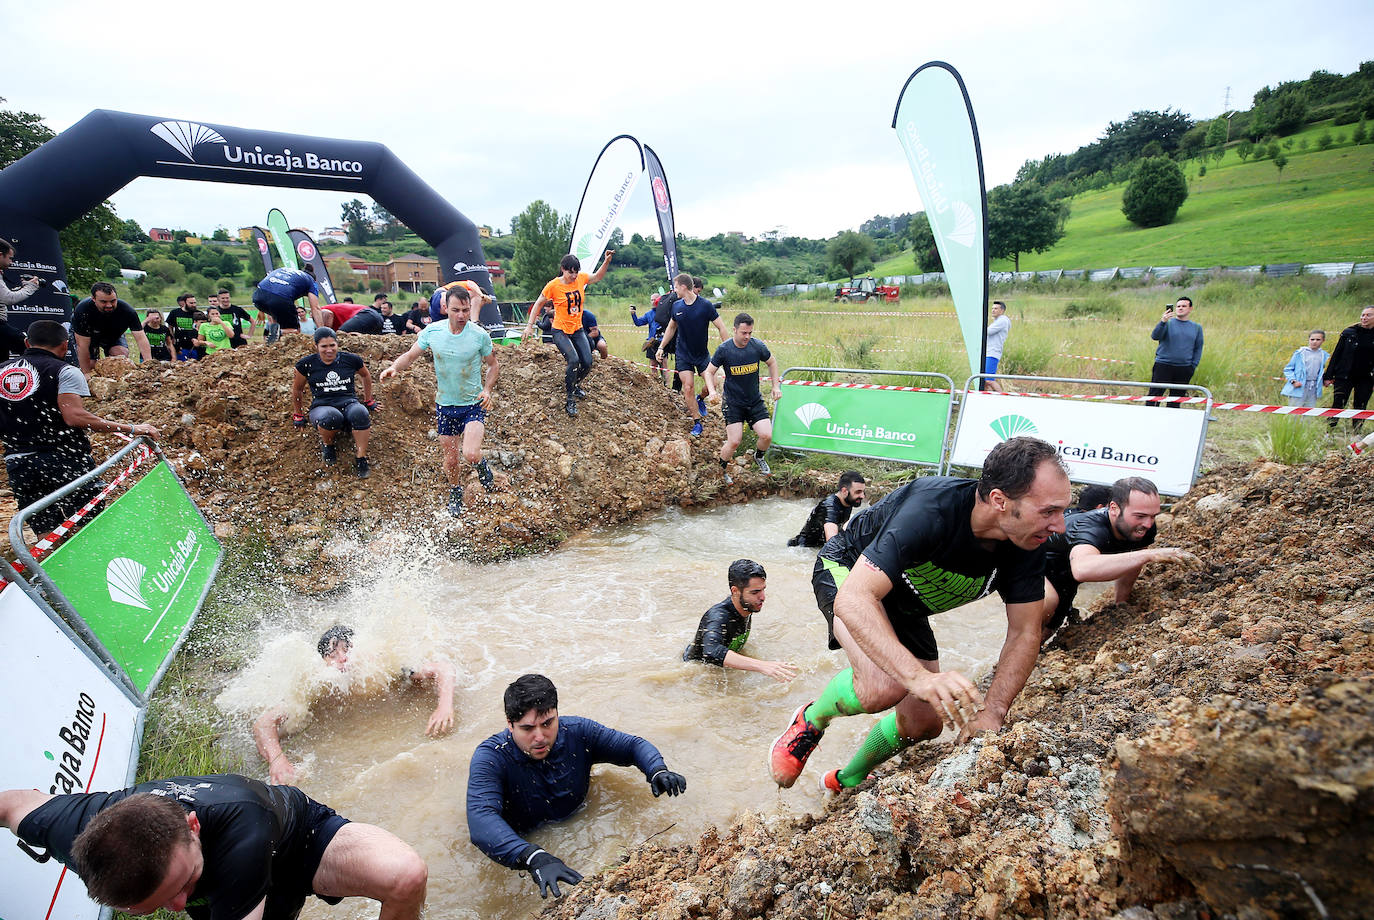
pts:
[54, 185]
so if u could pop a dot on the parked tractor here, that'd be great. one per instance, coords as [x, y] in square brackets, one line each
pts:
[862, 290]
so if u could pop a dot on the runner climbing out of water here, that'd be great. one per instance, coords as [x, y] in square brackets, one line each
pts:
[460, 348]
[725, 627]
[692, 315]
[568, 292]
[934, 544]
[336, 648]
[334, 403]
[739, 358]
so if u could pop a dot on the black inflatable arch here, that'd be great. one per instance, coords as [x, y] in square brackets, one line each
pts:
[105, 151]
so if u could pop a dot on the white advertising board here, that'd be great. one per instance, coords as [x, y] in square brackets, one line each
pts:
[67, 728]
[1100, 442]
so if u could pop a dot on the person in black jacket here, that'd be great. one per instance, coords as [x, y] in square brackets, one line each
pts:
[832, 512]
[725, 627]
[539, 769]
[1351, 368]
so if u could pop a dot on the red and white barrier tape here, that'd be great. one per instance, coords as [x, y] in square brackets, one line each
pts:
[48, 543]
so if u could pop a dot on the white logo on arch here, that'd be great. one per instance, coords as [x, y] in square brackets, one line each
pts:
[185, 136]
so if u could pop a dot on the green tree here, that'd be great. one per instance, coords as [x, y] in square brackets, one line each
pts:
[1360, 134]
[109, 267]
[541, 239]
[131, 232]
[169, 271]
[1280, 162]
[1216, 133]
[758, 275]
[229, 264]
[923, 244]
[220, 235]
[1156, 191]
[1022, 218]
[849, 252]
[354, 215]
[392, 228]
[1324, 140]
[1244, 149]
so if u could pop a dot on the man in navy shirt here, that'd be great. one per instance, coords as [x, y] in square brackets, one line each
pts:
[594, 337]
[739, 359]
[692, 316]
[278, 292]
[539, 770]
[100, 322]
[1179, 351]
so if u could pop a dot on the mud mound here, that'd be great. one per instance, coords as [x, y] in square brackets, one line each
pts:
[225, 424]
[1205, 752]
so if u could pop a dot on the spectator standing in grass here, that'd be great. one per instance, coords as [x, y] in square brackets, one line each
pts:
[1180, 348]
[1302, 376]
[1351, 371]
[996, 341]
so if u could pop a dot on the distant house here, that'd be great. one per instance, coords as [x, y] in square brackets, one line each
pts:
[336, 234]
[498, 274]
[410, 272]
[160, 235]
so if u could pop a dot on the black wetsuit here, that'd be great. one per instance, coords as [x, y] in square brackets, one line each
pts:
[721, 630]
[258, 840]
[829, 510]
[1091, 528]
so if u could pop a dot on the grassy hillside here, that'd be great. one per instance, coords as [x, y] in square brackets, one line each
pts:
[1239, 213]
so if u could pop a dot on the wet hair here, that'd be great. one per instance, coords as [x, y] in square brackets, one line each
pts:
[324, 332]
[1011, 467]
[743, 571]
[530, 691]
[458, 292]
[6, 248]
[570, 263]
[744, 319]
[124, 852]
[1094, 497]
[849, 477]
[682, 278]
[333, 634]
[1122, 489]
[44, 333]
[102, 287]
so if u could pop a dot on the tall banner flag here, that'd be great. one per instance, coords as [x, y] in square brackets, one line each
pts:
[281, 238]
[264, 250]
[614, 177]
[663, 207]
[934, 123]
[308, 253]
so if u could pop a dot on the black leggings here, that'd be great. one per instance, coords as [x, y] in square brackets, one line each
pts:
[1343, 388]
[577, 351]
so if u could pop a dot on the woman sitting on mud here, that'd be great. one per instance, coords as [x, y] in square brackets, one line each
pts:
[334, 400]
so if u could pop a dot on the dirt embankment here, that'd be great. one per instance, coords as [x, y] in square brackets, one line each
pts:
[226, 425]
[1206, 752]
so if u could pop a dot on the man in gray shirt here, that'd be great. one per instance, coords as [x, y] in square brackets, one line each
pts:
[996, 341]
[1180, 348]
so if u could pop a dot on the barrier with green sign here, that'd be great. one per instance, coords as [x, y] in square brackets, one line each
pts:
[904, 424]
[137, 573]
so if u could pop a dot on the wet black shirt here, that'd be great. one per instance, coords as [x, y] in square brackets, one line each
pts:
[88, 320]
[741, 367]
[395, 324]
[721, 630]
[331, 384]
[250, 834]
[829, 510]
[921, 537]
[1091, 528]
[183, 323]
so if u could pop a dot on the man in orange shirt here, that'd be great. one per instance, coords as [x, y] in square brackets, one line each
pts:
[567, 292]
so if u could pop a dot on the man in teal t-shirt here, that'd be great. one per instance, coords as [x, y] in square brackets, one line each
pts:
[460, 348]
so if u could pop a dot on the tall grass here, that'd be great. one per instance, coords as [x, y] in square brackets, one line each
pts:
[1292, 439]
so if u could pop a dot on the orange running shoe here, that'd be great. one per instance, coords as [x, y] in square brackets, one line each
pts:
[830, 782]
[793, 747]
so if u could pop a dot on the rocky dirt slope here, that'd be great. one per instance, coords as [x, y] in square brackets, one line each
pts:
[1202, 753]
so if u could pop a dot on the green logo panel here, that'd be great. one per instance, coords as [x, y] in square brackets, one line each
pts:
[883, 424]
[137, 572]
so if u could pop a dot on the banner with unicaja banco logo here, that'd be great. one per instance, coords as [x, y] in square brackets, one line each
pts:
[137, 573]
[892, 423]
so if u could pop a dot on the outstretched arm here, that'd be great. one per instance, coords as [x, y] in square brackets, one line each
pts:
[441, 672]
[267, 734]
[403, 362]
[534, 315]
[487, 828]
[781, 671]
[1019, 652]
[605, 267]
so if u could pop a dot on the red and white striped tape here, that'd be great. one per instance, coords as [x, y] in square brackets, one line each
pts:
[49, 543]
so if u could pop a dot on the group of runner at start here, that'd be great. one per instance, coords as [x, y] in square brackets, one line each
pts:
[228, 847]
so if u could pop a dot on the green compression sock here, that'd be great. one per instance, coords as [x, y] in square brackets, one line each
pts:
[882, 742]
[838, 699]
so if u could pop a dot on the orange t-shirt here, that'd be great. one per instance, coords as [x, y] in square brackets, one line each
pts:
[567, 302]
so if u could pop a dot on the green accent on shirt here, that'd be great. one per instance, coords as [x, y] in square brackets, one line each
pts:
[216, 337]
[941, 590]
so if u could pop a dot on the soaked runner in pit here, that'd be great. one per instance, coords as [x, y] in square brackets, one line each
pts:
[831, 513]
[725, 627]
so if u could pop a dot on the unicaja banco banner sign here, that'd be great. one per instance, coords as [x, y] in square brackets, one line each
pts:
[67, 728]
[884, 424]
[138, 572]
[1101, 443]
[613, 180]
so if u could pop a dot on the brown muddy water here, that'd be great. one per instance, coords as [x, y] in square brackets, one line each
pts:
[606, 617]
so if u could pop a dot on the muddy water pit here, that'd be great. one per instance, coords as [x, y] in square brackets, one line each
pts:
[606, 617]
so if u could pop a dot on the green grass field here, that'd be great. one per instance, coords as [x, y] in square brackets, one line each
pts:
[1239, 213]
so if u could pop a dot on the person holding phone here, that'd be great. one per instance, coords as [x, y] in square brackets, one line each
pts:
[1180, 348]
[11, 341]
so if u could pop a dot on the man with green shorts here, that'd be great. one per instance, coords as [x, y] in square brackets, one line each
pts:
[932, 545]
[460, 348]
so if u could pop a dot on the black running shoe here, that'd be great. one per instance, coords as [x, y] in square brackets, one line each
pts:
[455, 501]
[329, 454]
[579, 392]
[571, 407]
[363, 471]
[485, 476]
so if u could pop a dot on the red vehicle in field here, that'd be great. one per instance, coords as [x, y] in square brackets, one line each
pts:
[862, 290]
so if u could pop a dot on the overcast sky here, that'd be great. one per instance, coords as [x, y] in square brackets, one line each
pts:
[764, 114]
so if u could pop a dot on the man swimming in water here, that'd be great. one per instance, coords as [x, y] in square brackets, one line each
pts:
[335, 647]
[725, 627]
[832, 512]
[538, 770]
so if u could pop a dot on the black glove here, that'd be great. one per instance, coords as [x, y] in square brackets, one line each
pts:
[667, 781]
[548, 870]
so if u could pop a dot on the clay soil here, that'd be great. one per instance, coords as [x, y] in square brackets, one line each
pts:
[1205, 752]
[225, 426]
